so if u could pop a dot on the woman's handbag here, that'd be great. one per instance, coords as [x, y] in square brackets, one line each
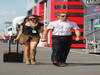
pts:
[23, 38]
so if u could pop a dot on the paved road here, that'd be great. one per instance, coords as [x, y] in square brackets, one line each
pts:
[79, 63]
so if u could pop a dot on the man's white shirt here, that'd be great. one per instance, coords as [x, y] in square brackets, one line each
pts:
[62, 28]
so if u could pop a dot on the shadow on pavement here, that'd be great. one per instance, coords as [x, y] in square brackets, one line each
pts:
[83, 64]
[72, 64]
[42, 63]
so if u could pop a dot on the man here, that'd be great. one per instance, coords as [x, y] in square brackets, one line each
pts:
[61, 39]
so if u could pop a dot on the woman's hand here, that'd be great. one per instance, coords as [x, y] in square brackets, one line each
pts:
[15, 40]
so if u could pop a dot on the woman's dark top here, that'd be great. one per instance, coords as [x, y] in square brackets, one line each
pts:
[32, 30]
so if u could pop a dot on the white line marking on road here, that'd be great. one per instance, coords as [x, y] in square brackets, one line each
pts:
[85, 53]
[78, 52]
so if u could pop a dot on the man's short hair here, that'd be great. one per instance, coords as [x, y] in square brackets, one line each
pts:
[67, 14]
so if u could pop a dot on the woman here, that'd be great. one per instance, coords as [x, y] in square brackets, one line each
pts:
[32, 27]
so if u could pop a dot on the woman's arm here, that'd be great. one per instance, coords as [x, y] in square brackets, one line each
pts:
[20, 32]
[45, 34]
[41, 31]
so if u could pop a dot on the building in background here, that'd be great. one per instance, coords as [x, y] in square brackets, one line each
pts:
[8, 29]
[92, 20]
[49, 9]
[92, 15]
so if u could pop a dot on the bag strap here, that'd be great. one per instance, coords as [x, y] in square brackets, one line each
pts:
[9, 46]
[17, 46]
[17, 49]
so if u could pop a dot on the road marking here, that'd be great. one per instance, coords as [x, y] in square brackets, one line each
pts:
[85, 53]
[78, 52]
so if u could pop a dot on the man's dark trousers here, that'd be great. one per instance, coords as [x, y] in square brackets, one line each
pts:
[60, 48]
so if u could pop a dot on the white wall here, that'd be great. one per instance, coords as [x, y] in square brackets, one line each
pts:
[30, 4]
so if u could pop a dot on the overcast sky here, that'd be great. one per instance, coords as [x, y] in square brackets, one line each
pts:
[10, 9]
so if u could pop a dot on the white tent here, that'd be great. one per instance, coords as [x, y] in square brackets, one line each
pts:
[16, 21]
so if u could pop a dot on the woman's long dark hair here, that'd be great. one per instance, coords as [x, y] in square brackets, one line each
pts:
[25, 20]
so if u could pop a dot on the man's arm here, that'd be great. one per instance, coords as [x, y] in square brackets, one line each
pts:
[77, 32]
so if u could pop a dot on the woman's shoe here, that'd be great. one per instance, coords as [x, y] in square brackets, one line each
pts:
[33, 62]
[27, 62]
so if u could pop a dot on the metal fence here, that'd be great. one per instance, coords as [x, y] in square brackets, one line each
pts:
[92, 41]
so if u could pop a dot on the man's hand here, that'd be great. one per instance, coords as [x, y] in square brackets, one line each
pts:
[77, 38]
[43, 40]
[77, 32]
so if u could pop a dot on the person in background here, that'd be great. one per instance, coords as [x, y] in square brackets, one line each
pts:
[61, 39]
[31, 26]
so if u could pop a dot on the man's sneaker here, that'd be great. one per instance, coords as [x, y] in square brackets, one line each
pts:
[62, 64]
[56, 63]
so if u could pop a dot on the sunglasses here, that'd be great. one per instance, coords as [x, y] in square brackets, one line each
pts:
[62, 15]
[32, 18]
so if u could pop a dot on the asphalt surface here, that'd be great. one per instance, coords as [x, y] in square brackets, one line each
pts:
[79, 63]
